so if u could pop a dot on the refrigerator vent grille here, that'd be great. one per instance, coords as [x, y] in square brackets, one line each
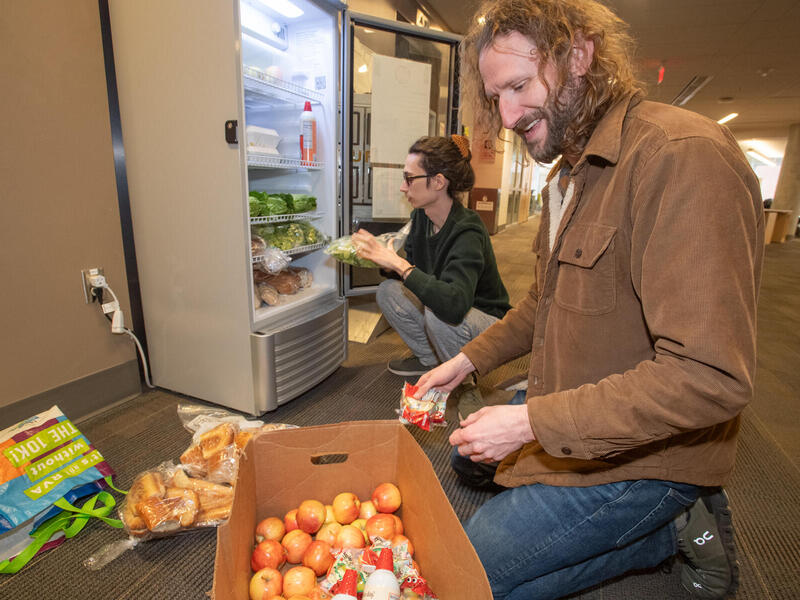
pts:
[305, 354]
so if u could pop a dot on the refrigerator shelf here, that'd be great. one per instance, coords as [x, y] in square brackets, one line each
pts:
[258, 160]
[282, 218]
[260, 83]
[293, 251]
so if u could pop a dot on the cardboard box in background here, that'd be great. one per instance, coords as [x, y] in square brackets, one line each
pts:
[280, 469]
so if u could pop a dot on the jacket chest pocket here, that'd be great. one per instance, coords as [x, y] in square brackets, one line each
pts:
[586, 281]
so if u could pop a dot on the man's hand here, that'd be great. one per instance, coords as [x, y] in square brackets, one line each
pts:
[493, 432]
[370, 248]
[446, 376]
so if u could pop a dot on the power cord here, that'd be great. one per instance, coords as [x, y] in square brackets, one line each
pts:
[99, 285]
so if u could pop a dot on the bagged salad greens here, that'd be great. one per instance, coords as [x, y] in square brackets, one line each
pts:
[343, 250]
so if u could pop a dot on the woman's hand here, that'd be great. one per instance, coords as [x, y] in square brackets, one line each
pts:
[371, 249]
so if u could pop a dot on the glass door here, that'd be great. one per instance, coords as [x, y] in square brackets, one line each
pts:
[401, 81]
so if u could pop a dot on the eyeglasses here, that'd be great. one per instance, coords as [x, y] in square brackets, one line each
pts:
[409, 178]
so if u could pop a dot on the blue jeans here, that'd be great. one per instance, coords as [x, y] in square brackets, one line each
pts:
[542, 541]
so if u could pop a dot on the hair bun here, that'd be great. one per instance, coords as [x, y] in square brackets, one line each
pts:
[462, 143]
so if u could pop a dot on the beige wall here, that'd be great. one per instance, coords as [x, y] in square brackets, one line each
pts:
[58, 207]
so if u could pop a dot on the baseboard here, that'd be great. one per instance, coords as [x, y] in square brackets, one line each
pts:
[80, 398]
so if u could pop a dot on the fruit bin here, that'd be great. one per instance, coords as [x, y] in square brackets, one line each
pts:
[280, 469]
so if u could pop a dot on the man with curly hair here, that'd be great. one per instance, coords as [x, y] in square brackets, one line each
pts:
[640, 323]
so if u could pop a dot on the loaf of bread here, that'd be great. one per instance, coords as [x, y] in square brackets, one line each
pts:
[267, 293]
[285, 282]
[303, 274]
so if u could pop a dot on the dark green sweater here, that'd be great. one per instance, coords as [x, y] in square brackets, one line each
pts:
[456, 268]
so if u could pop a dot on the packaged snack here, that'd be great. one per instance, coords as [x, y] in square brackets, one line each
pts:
[425, 412]
[347, 558]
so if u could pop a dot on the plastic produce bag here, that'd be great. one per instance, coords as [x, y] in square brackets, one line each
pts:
[343, 249]
[272, 260]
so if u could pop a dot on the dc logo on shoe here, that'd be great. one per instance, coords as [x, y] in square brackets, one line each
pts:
[706, 537]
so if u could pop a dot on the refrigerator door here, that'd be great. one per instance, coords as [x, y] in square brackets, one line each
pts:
[399, 80]
[291, 74]
[178, 84]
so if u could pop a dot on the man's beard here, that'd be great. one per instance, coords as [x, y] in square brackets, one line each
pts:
[557, 116]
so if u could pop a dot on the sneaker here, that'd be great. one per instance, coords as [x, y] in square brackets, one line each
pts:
[408, 367]
[707, 544]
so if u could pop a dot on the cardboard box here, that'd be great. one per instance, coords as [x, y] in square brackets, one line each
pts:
[280, 469]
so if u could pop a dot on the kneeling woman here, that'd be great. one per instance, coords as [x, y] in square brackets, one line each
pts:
[449, 288]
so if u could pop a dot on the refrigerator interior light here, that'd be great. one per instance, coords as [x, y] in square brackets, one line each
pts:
[263, 27]
[283, 7]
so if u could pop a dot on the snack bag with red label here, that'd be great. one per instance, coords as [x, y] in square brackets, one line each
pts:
[425, 412]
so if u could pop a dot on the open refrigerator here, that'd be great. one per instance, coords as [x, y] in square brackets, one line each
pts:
[210, 100]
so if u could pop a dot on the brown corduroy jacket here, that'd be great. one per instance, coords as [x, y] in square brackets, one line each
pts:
[641, 321]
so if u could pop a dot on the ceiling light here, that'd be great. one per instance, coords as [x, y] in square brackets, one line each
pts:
[760, 157]
[362, 68]
[481, 20]
[727, 118]
[690, 89]
[284, 7]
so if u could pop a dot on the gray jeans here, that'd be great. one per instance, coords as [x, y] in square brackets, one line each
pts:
[429, 338]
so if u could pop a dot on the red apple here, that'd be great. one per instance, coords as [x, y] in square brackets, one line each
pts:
[386, 498]
[290, 520]
[295, 542]
[345, 507]
[399, 539]
[328, 532]
[299, 581]
[318, 557]
[398, 524]
[349, 537]
[271, 528]
[382, 526]
[310, 515]
[268, 553]
[367, 510]
[266, 583]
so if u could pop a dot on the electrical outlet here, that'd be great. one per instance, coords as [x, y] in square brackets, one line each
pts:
[86, 274]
